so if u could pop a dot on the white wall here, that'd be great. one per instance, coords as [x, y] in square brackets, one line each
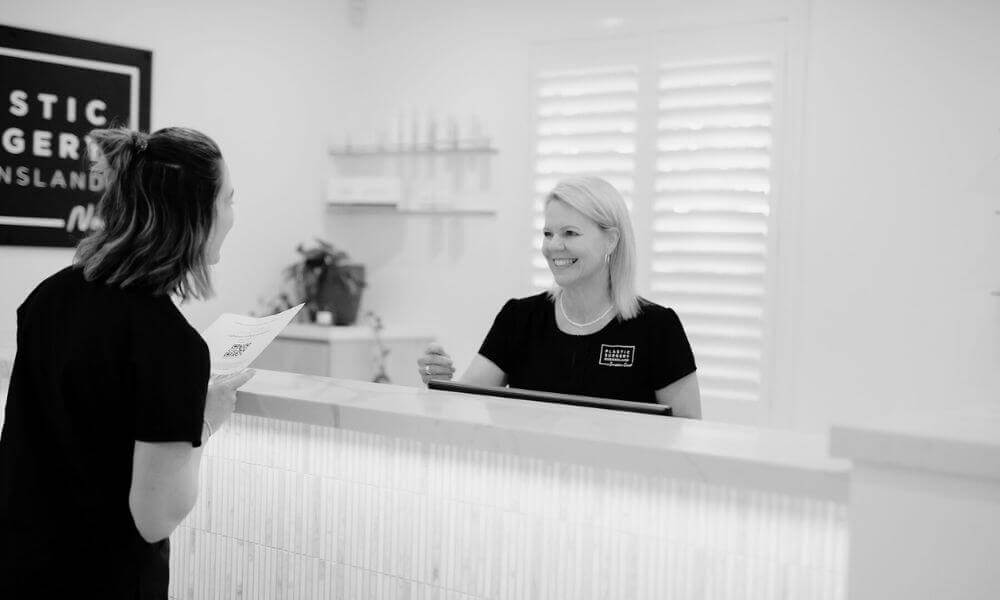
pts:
[266, 79]
[462, 58]
[898, 240]
[888, 248]
[885, 264]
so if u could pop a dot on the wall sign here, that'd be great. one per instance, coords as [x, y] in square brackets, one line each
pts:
[53, 91]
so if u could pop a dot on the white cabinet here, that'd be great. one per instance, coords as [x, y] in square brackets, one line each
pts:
[344, 353]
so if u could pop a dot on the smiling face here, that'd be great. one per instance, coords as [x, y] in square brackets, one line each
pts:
[575, 245]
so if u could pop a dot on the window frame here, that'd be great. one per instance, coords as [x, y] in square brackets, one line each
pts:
[773, 38]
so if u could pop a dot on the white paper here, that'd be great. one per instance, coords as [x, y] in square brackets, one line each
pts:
[234, 341]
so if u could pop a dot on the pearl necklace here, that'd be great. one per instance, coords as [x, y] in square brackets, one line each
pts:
[562, 309]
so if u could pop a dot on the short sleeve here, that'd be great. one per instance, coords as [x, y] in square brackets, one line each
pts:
[499, 343]
[171, 371]
[673, 351]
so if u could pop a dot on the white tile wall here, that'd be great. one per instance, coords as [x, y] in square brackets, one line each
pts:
[296, 511]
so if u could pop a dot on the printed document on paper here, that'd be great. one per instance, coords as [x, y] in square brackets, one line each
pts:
[234, 341]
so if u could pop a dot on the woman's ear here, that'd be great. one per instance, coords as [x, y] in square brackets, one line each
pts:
[614, 235]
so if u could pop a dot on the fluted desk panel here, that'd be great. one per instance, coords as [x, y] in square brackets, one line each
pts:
[324, 488]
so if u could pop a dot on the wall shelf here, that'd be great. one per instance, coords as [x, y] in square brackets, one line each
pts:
[381, 151]
[446, 177]
[392, 209]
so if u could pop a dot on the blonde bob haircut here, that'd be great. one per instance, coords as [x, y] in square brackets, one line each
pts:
[600, 202]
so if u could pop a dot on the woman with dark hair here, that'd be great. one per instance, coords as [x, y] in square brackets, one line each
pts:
[110, 399]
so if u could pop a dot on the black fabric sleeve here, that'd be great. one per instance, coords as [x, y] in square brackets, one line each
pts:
[674, 356]
[499, 345]
[171, 370]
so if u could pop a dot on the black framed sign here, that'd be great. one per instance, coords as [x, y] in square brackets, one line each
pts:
[55, 90]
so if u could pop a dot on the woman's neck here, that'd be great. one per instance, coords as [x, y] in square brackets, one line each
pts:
[584, 303]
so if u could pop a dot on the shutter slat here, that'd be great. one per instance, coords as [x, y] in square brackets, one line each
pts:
[745, 313]
[709, 244]
[584, 137]
[715, 137]
[691, 254]
[587, 73]
[612, 86]
[712, 201]
[588, 116]
[745, 355]
[742, 163]
[713, 107]
[573, 164]
[714, 117]
[699, 327]
[706, 181]
[597, 103]
[723, 95]
[723, 288]
[681, 77]
[623, 182]
[583, 170]
[709, 266]
[735, 223]
[590, 126]
[585, 155]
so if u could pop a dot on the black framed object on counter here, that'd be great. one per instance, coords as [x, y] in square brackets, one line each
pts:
[551, 397]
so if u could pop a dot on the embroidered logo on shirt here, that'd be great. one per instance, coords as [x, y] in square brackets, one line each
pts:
[616, 356]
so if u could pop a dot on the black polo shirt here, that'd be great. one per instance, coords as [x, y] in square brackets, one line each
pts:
[97, 368]
[625, 360]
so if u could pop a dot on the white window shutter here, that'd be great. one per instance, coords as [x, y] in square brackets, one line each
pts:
[710, 208]
[586, 125]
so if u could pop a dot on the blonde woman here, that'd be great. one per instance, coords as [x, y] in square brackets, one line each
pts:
[591, 334]
[110, 399]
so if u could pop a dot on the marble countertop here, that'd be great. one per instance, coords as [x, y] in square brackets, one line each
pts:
[962, 441]
[731, 455]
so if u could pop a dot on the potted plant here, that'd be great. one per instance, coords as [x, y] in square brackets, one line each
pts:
[326, 281]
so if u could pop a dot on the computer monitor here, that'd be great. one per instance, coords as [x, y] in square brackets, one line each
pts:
[536, 396]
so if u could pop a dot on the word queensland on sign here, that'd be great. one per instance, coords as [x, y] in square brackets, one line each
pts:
[53, 91]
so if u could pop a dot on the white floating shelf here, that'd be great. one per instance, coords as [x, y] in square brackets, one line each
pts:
[394, 209]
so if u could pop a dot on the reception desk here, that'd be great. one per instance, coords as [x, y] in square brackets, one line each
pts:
[324, 488]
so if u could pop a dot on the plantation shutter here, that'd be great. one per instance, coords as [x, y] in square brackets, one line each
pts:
[710, 209]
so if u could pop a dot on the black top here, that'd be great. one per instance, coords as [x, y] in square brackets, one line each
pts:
[97, 368]
[625, 360]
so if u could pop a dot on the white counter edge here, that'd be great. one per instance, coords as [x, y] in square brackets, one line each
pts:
[962, 441]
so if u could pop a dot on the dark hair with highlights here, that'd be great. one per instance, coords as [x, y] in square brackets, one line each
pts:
[158, 208]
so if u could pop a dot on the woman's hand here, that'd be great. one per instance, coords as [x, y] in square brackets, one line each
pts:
[221, 397]
[435, 364]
